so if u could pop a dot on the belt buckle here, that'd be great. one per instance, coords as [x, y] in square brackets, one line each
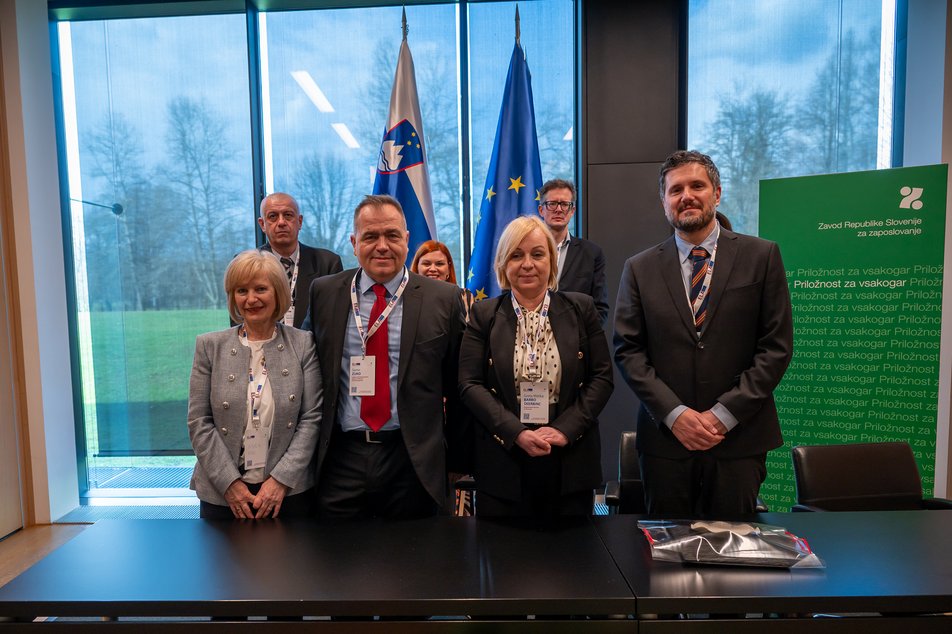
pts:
[367, 437]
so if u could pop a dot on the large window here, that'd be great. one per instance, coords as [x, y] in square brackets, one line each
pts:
[788, 88]
[156, 122]
[159, 117]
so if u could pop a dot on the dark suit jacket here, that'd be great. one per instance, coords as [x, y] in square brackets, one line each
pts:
[314, 263]
[738, 359]
[584, 272]
[429, 366]
[488, 390]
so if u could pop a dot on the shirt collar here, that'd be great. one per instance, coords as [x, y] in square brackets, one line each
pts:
[366, 282]
[684, 247]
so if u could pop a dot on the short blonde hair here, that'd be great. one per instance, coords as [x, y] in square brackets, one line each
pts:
[512, 236]
[245, 267]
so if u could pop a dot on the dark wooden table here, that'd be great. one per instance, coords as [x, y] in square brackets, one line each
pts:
[893, 564]
[469, 575]
[442, 567]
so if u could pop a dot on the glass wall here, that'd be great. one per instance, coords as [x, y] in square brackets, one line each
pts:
[328, 99]
[156, 118]
[158, 129]
[788, 88]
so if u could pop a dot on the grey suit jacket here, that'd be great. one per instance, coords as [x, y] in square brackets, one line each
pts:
[429, 357]
[739, 358]
[584, 272]
[218, 409]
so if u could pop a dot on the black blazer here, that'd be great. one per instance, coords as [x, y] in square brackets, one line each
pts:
[487, 387]
[429, 364]
[584, 272]
[313, 264]
[739, 358]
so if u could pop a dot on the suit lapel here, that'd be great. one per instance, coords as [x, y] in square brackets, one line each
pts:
[723, 266]
[412, 305]
[571, 260]
[565, 331]
[501, 342]
[338, 315]
[307, 266]
[671, 273]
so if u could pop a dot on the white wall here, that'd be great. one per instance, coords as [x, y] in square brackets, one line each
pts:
[37, 261]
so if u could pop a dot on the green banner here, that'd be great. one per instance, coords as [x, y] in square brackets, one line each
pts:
[863, 254]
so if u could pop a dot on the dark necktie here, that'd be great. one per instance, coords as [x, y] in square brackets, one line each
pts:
[288, 267]
[699, 261]
[375, 410]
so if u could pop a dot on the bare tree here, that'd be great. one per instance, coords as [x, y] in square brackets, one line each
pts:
[325, 192]
[749, 140]
[199, 170]
[837, 119]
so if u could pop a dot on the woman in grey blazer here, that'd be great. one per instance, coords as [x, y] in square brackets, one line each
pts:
[254, 401]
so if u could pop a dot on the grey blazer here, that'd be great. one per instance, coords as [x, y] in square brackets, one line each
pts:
[218, 409]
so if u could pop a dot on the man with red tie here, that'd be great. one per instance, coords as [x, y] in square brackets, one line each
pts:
[703, 335]
[387, 365]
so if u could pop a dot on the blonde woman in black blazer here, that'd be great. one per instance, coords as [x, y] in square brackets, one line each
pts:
[538, 469]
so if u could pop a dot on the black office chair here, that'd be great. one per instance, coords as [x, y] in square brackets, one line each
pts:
[878, 476]
[627, 493]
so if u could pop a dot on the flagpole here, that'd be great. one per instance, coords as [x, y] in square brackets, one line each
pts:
[405, 24]
[517, 24]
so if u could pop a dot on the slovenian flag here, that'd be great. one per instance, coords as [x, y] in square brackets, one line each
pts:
[401, 168]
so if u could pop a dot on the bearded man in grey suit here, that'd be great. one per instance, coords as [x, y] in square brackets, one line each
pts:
[389, 366]
[703, 349]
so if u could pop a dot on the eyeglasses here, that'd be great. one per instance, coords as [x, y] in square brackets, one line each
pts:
[564, 205]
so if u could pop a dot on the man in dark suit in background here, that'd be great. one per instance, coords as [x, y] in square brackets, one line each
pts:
[581, 262]
[281, 221]
[703, 348]
[381, 451]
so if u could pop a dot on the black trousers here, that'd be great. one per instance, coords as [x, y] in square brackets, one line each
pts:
[702, 485]
[541, 494]
[367, 477]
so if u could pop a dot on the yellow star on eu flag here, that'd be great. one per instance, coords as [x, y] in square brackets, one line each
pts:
[516, 183]
[481, 294]
[490, 193]
[471, 275]
[538, 196]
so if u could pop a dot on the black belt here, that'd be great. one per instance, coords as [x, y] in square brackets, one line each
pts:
[372, 437]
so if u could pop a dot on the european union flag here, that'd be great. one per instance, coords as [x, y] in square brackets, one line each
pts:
[514, 179]
[401, 168]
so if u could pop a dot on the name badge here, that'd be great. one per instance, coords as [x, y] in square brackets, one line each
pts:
[362, 374]
[534, 400]
[256, 451]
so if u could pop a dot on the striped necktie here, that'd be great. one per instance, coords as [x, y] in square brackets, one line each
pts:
[288, 265]
[699, 261]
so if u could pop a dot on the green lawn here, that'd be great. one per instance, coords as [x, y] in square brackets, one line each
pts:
[147, 355]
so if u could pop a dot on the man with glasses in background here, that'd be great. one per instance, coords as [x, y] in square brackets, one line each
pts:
[581, 262]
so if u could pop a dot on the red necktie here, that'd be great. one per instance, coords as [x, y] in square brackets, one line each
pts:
[375, 410]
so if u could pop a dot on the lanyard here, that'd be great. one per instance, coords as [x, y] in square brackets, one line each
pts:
[383, 315]
[707, 278]
[531, 347]
[256, 394]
